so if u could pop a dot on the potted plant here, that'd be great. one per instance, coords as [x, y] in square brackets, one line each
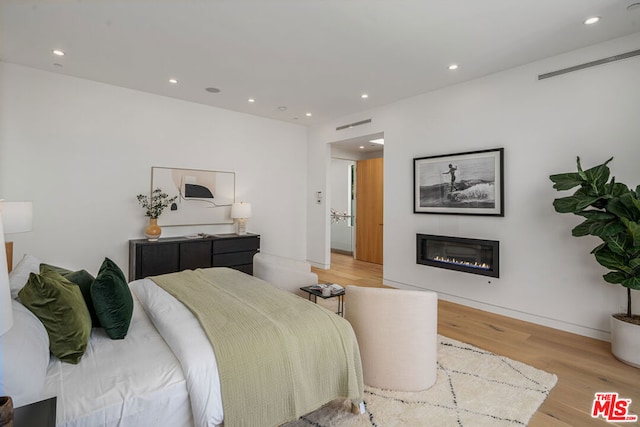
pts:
[154, 204]
[611, 212]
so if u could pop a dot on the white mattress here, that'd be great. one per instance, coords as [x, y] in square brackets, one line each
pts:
[136, 381]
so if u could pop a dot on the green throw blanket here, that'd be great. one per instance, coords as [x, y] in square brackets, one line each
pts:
[279, 355]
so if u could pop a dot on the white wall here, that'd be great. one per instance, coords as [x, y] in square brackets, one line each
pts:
[341, 232]
[82, 150]
[547, 276]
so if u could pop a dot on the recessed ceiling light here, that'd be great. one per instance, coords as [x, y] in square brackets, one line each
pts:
[364, 96]
[308, 114]
[591, 20]
[251, 100]
[58, 52]
[378, 141]
[173, 81]
[362, 147]
[212, 90]
[282, 108]
[453, 66]
[633, 6]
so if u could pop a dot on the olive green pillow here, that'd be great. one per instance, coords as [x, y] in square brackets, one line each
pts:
[84, 280]
[59, 305]
[112, 300]
[60, 270]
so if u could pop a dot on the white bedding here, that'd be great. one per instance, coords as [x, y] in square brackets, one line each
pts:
[164, 373]
[182, 331]
[136, 381]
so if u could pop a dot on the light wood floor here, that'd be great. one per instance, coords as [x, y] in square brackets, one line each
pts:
[583, 365]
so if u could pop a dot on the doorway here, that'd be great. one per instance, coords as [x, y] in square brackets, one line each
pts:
[356, 197]
[342, 205]
[370, 206]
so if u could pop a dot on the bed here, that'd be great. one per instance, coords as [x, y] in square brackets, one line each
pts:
[165, 371]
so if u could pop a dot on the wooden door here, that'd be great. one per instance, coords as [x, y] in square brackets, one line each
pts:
[369, 210]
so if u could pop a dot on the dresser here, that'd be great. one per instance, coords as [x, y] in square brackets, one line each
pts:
[173, 254]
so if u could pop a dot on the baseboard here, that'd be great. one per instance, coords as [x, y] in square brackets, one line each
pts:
[342, 252]
[319, 265]
[516, 314]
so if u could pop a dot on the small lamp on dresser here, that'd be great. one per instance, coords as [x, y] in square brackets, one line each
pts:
[240, 212]
[17, 218]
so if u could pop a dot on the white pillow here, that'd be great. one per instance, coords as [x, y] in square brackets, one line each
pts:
[24, 357]
[20, 274]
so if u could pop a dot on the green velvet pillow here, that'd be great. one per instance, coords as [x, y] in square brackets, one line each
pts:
[112, 300]
[59, 305]
[84, 280]
[60, 270]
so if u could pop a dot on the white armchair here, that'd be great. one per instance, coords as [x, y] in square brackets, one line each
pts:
[284, 273]
[397, 332]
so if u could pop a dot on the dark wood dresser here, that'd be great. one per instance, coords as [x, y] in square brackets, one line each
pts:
[179, 253]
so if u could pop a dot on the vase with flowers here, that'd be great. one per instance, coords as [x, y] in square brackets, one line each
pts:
[154, 205]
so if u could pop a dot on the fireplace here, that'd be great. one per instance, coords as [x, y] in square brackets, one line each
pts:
[460, 254]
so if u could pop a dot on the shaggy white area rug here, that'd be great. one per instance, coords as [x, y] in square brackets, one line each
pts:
[474, 388]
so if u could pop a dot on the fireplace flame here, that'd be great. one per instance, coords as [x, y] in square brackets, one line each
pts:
[482, 266]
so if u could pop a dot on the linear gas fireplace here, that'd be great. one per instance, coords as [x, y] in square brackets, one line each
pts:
[460, 254]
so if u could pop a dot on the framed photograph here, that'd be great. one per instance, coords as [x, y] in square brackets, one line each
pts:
[462, 184]
[203, 196]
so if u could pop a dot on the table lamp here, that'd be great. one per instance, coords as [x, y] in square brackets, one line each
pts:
[17, 218]
[6, 322]
[241, 211]
[6, 311]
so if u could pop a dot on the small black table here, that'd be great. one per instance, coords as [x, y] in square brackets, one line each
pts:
[37, 414]
[316, 292]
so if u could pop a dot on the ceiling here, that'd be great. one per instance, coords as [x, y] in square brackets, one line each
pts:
[359, 147]
[295, 57]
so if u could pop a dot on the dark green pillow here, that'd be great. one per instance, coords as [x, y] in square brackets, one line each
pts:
[112, 300]
[59, 305]
[84, 280]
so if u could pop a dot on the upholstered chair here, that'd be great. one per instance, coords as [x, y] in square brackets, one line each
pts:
[397, 332]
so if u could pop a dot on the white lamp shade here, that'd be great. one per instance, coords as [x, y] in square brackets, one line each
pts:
[241, 210]
[6, 311]
[17, 216]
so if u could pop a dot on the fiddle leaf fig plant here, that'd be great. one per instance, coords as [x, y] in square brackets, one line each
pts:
[611, 212]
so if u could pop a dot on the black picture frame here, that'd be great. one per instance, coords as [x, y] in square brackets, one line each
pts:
[469, 183]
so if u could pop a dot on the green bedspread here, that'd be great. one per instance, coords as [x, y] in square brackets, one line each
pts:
[279, 355]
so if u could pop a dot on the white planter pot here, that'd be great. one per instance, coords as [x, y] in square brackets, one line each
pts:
[625, 342]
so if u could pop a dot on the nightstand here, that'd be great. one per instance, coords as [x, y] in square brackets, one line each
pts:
[37, 414]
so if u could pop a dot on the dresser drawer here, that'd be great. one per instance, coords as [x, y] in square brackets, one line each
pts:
[236, 245]
[233, 258]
